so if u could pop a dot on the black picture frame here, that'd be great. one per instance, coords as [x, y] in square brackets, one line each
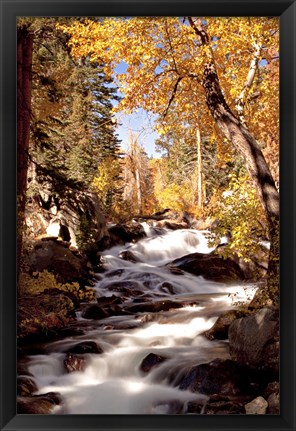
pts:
[10, 10]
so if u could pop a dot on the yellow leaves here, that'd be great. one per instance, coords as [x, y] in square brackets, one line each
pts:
[159, 50]
[240, 215]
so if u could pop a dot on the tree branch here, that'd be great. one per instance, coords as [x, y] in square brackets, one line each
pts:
[241, 100]
[172, 96]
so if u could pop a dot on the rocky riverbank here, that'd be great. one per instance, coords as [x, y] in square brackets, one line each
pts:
[245, 383]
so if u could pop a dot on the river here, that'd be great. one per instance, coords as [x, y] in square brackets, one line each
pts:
[113, 381]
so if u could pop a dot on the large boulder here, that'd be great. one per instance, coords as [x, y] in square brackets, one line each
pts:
[219, 376]
[121, 234]
[75, 216]
[219, 331]
[254, 340]
[211, 266]
[57, 258]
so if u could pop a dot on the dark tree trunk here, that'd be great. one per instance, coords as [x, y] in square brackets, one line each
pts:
[24, 85]
[248, 148]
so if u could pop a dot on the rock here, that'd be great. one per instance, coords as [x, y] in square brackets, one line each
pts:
[210, 266]
[129, 288]
[151, 361]
[85, 347]
[172, 407]
[258, 406]
[273, 387]
[58, 259]
[108, 300]
[173, 225]
[219, 330]
[121, 234]
[71, 217]
[217, 405]
[256, 267]
[167, 288]
[38, 404]
[95, 312]
[272, 395]
[153, 307]
[216, 377]
[129, 256]
[254, 340]
[26, 386]
[74, 362]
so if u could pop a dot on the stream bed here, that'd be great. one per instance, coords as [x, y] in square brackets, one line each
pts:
[160, 313]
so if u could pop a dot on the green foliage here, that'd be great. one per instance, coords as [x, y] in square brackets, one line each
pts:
[240, 218]
[84, 236]
[73, 128]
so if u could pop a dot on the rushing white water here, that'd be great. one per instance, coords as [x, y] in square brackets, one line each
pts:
[112, 382]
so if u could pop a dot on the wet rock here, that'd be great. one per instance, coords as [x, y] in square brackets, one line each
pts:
[129, 288]
[172, 407]
[26, 386]
[38, 404]
[167, 288]
[95, 312]
[129, 232]
[258, 406]
[74, 362]
[219, 330]
[129, 256]
[114, 273]
[254, 340]
[211, 266]
[151, 361]
[85, 347]
[216, 377]
[108, 300]
[153, 307]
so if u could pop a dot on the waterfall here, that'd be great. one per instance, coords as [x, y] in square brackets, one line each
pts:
[113, 382]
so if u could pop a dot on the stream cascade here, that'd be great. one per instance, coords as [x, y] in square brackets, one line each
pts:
[114, 381]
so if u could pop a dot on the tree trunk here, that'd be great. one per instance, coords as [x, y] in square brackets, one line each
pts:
[249, 149]
[24, 85]
[199, 170]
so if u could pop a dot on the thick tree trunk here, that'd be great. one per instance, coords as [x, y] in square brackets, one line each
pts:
[248, 148]
[24, 85]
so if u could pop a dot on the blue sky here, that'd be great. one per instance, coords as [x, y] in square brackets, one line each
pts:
[139, 122]
[142, 124]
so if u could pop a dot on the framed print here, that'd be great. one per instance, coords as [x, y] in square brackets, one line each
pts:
[147, 215]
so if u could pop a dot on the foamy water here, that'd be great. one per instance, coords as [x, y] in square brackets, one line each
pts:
[113, 382]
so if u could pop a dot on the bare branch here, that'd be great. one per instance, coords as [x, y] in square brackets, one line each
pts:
[172, 96]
